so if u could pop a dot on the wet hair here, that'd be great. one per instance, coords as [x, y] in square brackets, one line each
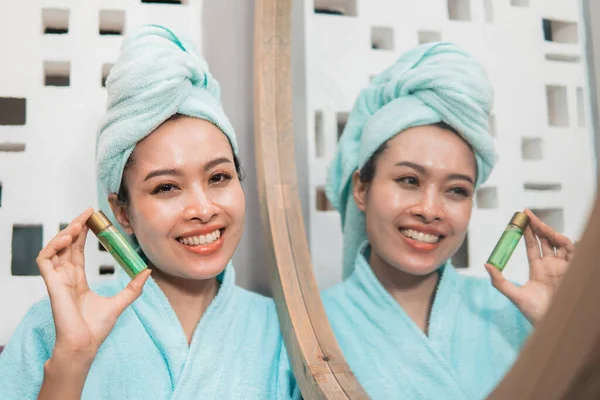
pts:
[367, 172]
[123, 193]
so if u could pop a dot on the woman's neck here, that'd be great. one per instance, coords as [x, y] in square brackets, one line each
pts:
[189, 298]
[414, 293]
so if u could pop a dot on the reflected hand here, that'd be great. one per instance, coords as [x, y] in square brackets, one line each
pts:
[548, 263]
[82, 318]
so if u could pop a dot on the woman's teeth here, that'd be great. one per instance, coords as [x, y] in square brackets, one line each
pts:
[202, 239]
[420, 236]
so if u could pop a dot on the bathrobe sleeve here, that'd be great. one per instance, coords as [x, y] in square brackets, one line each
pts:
[22, 361]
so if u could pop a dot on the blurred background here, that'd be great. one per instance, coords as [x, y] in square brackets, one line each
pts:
[55, 56]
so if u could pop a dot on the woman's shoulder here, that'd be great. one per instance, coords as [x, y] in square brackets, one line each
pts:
[334, 292]
[254, 305]
[336, 298]
[253, 298]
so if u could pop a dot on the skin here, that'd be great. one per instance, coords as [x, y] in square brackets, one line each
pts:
[182, 181]
[424, 181]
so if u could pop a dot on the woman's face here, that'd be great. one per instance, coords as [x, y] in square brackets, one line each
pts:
[186, 205]
[419, 203]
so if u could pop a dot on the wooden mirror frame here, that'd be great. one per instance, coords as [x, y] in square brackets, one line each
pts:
[561, 359]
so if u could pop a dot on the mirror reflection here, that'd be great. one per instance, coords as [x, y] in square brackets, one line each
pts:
[450, 171]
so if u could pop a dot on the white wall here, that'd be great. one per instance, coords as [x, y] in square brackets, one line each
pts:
[53, 179]
[510, 42]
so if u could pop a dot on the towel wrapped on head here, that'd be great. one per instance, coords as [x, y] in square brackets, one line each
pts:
[431, 83]
[157, 75]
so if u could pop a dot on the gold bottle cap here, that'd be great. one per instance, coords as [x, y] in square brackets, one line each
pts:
[98, 222]
[520, 219]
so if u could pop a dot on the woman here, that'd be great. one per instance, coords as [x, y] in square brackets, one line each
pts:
[167, 165]
[414, 151]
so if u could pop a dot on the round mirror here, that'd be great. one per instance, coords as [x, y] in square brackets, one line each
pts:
[313, 59]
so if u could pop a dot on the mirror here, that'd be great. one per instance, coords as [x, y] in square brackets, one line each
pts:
[554, 107]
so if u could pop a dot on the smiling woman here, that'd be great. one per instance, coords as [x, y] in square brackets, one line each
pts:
[414, 151]
[168, 173]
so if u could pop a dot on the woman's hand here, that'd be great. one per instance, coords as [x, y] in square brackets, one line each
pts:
[82, 318]
[548, 263]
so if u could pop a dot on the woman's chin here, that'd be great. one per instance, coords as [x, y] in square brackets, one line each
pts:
[419, 271]
[202, 271]
[418, 266]
[206, 270]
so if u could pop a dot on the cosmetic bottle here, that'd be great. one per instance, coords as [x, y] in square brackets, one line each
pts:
[116, 244]
[509, 240]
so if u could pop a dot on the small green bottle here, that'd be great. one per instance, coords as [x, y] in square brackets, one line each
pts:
[509, 240]
[116, 244]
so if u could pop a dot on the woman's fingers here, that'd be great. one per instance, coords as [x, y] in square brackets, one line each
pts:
[65, 254]
[57, 252]
[78, 255]
[547, 248]
[561, 252]
[83, 217]
[124, 298]
[75, 230]
[47, 261]
[532, 246]
[50, 252]
[553, 238]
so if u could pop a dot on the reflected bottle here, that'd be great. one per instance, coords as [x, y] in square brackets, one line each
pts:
[116, 244]
[509, 240]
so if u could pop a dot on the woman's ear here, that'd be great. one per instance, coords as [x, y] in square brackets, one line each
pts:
[120, 213]
[359, 191]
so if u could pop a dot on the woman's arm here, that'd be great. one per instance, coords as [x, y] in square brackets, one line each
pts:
[65, 375]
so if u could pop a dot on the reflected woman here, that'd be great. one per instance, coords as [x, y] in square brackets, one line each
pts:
[415, 149]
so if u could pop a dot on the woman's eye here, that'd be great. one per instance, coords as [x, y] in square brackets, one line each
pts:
[410, 180]
[164, 188]
[460, 191]
[221, 177]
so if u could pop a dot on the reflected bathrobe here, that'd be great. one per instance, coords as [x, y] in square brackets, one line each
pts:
[475, 334]
[234, 353]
